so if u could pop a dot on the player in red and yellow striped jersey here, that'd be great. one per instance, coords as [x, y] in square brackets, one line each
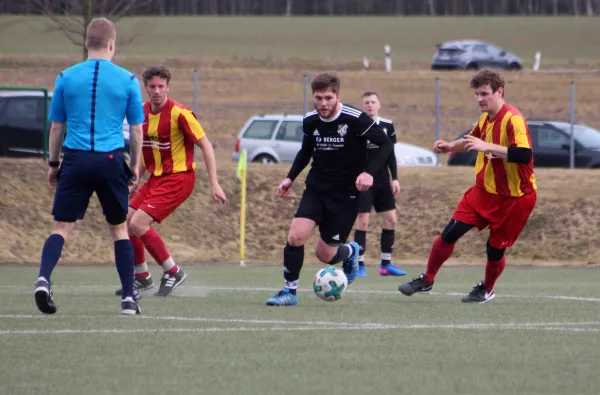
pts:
[504, 194]
[171, 131]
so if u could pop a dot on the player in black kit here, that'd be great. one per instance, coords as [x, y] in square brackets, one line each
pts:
[335, 138]
[381, 196]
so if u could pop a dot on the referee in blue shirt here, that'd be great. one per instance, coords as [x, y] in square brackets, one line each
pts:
[90, 101]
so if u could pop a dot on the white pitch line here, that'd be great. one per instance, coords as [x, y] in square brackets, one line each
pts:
[295, 329]
[353, 291]
[315, 325]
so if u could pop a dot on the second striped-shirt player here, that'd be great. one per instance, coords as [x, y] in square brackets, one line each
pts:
[171, 131]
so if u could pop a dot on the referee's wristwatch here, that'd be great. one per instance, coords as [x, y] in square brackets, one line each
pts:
[55, 163]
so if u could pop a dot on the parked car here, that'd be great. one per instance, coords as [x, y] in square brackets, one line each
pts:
[473, 55]
[22, 124]
[277, 138]
[551, 146]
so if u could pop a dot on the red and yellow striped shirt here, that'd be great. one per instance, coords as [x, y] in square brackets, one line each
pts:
[493, 174]
[169, 138]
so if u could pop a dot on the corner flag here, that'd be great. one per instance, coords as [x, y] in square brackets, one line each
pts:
[241, 175]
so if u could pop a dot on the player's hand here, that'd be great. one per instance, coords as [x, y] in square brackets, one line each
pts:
[217, 194]
[364, 181]
[395, 187]
[283, 189]
[52, 177]
[475, 144]
[133, 189]
[134, 178]
[441, 147]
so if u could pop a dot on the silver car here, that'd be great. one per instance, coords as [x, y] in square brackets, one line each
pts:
[277, 138]
[473, 55]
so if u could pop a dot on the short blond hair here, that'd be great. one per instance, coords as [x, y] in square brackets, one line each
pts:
[100, 32]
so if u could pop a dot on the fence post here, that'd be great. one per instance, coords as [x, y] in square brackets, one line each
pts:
[195, 92]
[572, 145]
[195, 107]
[437, 113]
[305, 90]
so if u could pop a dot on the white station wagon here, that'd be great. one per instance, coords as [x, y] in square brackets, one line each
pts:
[277, 138]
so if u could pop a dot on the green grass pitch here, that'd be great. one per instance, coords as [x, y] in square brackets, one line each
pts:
[216, 336]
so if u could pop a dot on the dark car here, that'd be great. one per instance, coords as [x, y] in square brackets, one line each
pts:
[22, 124]
[551, 146]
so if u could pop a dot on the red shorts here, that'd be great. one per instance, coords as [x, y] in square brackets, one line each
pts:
[506, 216]
[160, 196]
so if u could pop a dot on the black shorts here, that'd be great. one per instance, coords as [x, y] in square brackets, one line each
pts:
[379, 197]
[334, 213]
[83, 173]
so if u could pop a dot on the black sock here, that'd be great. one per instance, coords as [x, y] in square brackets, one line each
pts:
[360, 236]
[343, 252]
[51, 254]
[293, 259]
[387, 245]
[124, 263]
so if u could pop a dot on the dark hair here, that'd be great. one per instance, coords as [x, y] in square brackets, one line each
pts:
[324, 81]
[156, 71]
[99, 33]
[369, 93]
[487, 77]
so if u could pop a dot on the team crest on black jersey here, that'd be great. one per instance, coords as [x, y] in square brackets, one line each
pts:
[342, 129]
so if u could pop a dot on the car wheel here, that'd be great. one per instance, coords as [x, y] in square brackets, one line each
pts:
[514, 67]
[264, 159]
[472, 66]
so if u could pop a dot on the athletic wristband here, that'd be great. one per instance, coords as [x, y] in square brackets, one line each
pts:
[55, 163]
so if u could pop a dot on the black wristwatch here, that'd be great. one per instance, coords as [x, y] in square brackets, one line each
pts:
[54, 163]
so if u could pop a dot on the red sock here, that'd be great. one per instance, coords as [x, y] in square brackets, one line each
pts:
[440, 252]
[493, 270]
[139, 251]
[155, 246]
[139, 257]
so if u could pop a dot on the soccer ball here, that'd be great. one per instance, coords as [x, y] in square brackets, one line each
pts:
[330, 284]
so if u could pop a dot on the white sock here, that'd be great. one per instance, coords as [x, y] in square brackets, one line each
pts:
[168, 264]
[141, 268]
[291, 284]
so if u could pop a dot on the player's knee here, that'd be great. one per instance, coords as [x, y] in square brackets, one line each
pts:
[118, 231]
[324, 252]
[297, 239]
[362, 221]
[63, 228]
[454, 231]
[389, 220]
[130, 214]
[494, 254]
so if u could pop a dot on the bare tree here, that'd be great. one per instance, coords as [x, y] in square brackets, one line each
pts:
[431, 6]
[77, 14]
[589, 8]
[288, 8]
[576, 7]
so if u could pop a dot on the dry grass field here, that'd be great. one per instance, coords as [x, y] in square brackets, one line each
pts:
[234, 86]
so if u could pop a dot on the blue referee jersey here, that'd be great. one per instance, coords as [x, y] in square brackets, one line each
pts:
[92, 98]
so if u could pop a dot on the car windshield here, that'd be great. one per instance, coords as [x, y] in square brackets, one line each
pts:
[585, 135]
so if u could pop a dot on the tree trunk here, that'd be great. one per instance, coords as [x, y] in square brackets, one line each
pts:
[471, 8]
[288, 8]
[399, 7]
[589, 8]
[431, 5]
[576, 7]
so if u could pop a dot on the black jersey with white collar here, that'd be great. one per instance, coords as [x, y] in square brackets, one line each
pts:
[338, 148]
[382, 177]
